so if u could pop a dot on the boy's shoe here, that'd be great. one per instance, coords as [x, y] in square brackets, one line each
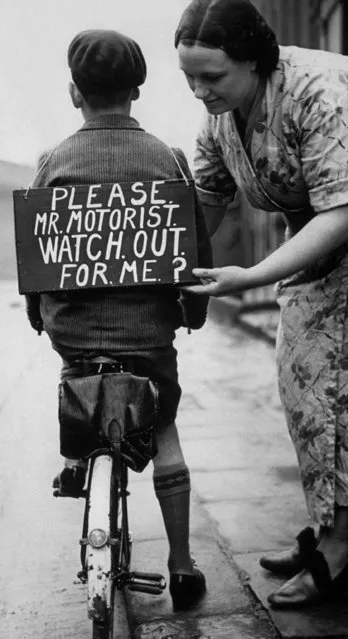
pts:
[70, 482]
[187, 590]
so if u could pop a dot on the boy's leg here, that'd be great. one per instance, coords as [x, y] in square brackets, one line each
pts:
[172, 487]
[72, 477]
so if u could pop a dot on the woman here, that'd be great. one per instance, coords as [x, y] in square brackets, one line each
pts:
[276, 126]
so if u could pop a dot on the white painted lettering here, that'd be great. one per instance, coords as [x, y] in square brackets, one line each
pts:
[78, 239]
[115, 220]
[147, 269]
[162, 249]
[176, 232]
[129, 268]
[89, 220]
[116, 191]
[101, 213]
[140, 243]
[154, 191]
[129, 215]
[136, 188]
[117, 244]
[170, 208]
[71, 204]
[91, 196]
[75, 218]
[59, 193]
[82, 274]
[65, 275]
[52, 223]
[153, 213]
[40, 219]
[65, 248]
[90, 255]
[49, 252]
[99, 271]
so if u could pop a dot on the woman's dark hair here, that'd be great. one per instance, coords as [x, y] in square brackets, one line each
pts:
[234, 26]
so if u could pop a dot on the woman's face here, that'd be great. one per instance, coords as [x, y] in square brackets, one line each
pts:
[221, 83]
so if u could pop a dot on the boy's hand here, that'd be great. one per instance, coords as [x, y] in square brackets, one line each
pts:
[33, 312]
[36, 324]
[194, 310]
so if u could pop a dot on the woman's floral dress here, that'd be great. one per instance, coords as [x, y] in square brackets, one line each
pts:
[294, 159]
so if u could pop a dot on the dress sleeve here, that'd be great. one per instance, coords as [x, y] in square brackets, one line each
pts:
[324, 142]
[215, 184]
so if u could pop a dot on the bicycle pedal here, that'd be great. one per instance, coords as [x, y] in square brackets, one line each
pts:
[76, 495]
[153, 576]
[151, 583]
[82, 576]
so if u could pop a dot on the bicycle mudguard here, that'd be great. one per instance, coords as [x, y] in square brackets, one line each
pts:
[113, 409]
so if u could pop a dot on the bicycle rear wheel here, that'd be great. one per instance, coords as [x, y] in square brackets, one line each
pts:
[108, 566]
[121, 550]
[99, 549]
[101, 631]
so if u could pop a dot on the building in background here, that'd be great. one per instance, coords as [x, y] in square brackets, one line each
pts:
[330, 20]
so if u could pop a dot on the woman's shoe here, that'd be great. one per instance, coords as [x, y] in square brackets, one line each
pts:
[285, 563]
[187, 590]
[312, 585]
[290, 562]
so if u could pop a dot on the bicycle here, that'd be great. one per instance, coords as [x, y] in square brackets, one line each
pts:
[106, 542]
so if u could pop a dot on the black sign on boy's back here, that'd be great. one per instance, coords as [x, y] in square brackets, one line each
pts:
[120, 234]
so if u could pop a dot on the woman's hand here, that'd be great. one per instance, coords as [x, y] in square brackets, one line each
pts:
[219, 281]
[321, 235]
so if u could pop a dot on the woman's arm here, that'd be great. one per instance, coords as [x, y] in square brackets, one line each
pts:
[322, 235]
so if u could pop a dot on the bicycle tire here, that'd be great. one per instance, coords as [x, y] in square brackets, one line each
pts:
[119, 520]
[101, 631]
[121, 551]
[99, 560]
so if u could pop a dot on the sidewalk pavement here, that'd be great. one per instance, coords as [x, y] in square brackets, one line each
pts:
[259, 320]
[246, 495]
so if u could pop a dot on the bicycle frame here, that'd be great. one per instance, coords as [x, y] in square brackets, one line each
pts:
[106, 541]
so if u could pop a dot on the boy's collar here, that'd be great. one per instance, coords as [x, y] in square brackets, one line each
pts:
[111, 121]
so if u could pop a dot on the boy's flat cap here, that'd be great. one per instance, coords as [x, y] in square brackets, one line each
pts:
[106, 59]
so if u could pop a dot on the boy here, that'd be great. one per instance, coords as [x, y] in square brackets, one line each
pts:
[132, 324]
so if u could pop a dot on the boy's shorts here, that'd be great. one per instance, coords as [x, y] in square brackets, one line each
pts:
[159, 364]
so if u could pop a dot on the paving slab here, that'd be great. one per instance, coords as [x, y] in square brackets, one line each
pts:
[145, 518]
[236, 626]
[246, 497]
[229, 484]
[227, 609]
[330, 620]
[224, 589]
[259, 524]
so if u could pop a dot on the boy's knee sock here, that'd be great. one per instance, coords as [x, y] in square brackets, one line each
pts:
[172, 488]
